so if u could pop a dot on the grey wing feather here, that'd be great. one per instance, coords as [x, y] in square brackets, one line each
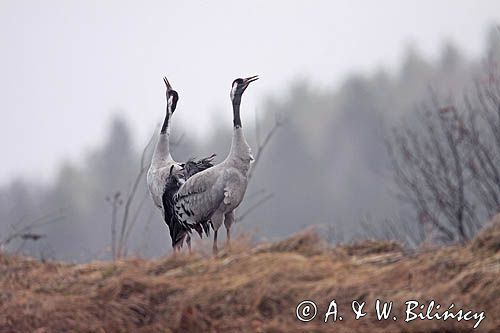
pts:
[198, 198]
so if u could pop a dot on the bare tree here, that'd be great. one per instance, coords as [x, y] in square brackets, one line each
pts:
[484, 138]
[446, 164]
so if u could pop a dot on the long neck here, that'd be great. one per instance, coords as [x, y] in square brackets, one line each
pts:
[238, 137]
[239, 145]
[236, 112]
[162, 149]
[165, 127]
[240, 153]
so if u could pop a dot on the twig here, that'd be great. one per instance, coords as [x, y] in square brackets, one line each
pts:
[134, 220]
[253, 207]
[261, 145]
[146, 230]
[26, 232]
[115, 202]
[131, 195]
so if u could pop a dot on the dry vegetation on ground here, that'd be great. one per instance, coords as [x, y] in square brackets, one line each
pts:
[253, 289]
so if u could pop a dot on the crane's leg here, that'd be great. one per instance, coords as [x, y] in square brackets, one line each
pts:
[217, 219]
[215, 250]
[228, 221]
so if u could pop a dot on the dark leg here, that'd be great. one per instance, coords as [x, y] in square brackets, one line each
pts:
[228, 221]
[214, 248]
[217, 220]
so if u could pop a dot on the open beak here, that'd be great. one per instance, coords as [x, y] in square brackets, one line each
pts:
[250, 79]
[169, 87]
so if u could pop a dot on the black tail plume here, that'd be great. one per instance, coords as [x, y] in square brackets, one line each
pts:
[192, 167]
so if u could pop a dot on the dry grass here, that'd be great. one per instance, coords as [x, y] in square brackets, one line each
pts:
[252, 288]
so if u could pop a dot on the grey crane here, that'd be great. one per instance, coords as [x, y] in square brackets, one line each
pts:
[165, 175]
[213, 194]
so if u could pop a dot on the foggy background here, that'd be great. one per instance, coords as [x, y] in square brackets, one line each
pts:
[82, 93]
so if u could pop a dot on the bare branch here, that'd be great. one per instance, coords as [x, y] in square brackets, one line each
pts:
[261, 145]
[254, 206]
[120, 244]
[27, 232]
[134, 220]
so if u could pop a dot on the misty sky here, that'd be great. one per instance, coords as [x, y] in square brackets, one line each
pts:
[68, 66]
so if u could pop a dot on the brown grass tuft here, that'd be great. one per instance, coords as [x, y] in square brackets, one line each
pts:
[488, 240]
[307, 243]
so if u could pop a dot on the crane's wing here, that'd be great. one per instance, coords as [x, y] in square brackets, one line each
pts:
[198, 199]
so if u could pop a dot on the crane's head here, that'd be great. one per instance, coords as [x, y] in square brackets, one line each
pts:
[172, 96]
[239, 86]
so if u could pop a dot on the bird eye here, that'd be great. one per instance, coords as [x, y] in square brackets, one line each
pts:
[237, 82]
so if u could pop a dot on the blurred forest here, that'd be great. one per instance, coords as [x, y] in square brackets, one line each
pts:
[327, 165]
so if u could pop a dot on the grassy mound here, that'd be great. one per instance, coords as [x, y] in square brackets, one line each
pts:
[253, 289]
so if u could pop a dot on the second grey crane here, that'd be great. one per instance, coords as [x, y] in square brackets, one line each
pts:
[213, 194]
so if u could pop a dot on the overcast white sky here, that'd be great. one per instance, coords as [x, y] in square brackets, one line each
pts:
[67, 66]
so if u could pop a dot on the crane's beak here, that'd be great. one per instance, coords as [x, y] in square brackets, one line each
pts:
[169, 87]
[250, 79]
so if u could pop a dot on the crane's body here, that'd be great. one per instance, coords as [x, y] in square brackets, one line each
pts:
[165, 175]
[213, 194]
